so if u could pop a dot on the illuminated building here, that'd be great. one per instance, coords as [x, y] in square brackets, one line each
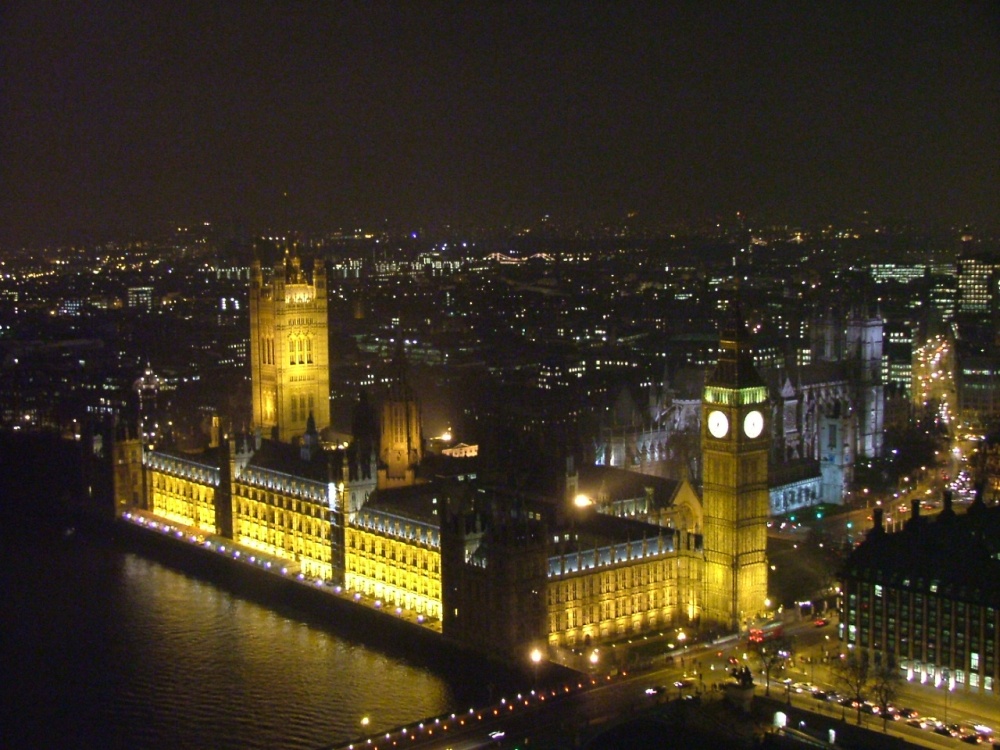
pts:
[828, 415]
[183, 488]
[609, 577]
[128, 475]
[291, 503]
[975, 273]
[400, 440]
[497, 569]
[929, 596]
[393, 550]
[735, 442]
[523, 570]
[140, 297]
[289, 348]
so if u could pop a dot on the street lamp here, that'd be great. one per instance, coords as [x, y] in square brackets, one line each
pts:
[536, 659]
[947, 688]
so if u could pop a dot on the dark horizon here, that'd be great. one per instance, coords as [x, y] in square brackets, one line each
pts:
[118, 121]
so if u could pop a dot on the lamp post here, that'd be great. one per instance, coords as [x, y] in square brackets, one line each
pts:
[536, 659]
[947, 686]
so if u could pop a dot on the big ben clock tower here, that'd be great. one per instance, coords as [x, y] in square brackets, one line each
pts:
[735, 438]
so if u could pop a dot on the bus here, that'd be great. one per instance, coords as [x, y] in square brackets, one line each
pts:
[762, 633]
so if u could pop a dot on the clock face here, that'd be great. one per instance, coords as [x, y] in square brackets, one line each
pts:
[753, 424]
[718, 424]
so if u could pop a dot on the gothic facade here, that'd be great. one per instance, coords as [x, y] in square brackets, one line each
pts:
[289, 348]
[827, 415]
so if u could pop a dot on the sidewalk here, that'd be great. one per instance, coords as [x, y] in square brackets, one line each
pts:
[959, 704]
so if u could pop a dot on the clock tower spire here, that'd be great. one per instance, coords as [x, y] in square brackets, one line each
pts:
[735, 440]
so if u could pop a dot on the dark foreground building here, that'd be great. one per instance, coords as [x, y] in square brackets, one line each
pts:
[929, 596]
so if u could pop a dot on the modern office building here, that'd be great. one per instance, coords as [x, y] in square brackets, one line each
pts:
[929, 596]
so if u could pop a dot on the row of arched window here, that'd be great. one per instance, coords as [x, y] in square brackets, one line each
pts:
[300, 350]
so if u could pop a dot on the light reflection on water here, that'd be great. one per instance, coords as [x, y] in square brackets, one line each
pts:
[109, 649]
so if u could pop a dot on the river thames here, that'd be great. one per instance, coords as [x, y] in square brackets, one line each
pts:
[105, 648]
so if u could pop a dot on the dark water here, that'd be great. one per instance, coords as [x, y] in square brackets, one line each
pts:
[102, 648]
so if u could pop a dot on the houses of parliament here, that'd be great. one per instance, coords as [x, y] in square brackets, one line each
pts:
[504, 571]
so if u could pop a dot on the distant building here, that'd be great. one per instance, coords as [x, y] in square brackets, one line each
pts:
[400, 437]
[827, 415]
[976, 272]
[978, 383]
[140, 298]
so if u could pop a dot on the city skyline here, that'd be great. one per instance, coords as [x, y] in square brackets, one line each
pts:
[433, 115]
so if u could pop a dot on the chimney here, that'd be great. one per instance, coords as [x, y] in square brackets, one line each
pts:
[877, 516]
[914, 509]
[946, 497]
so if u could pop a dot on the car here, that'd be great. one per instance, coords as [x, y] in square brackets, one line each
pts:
[908, 713]
[943, 730]
[657, 690]
[820, 622]
[497, 734]
[973, 739]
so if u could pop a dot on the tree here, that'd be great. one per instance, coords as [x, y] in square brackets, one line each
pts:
[886, 681]
[772, 655]
[854, 673]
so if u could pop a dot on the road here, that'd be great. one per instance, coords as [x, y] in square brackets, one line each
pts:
[560, 713]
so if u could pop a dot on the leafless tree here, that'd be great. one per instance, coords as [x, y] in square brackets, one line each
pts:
[772, 656]
[886, 681]
[854, 673]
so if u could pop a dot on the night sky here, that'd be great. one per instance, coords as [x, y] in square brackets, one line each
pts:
[123, 117]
